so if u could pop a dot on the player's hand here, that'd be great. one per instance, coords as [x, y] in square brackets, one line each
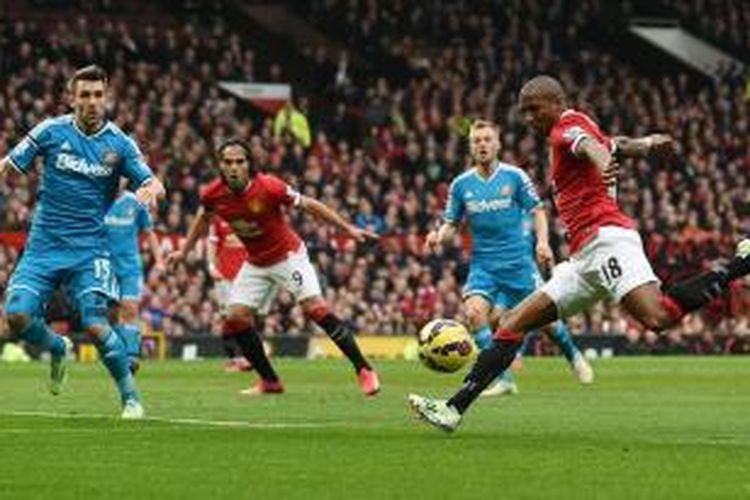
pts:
[610, 173]
[214, 273]
[160, 267]
[175, 258]
[661, 145]
[544, 254]
[150, 192]
[431, 241]
[362, 235]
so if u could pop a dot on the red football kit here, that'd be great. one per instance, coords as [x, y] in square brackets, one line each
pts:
[256, 216]
[581, 195]
[230, 252]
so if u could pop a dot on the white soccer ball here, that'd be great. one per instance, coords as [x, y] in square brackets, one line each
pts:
[445, 345]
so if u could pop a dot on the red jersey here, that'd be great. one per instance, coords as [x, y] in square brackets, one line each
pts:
[581, 196]
[230, 252]
[256, 217]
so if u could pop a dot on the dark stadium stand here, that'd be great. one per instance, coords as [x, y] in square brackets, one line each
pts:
[389, 121]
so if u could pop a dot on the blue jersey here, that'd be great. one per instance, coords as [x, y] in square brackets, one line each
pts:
[495, 209]
[125, 220]
[79, 181]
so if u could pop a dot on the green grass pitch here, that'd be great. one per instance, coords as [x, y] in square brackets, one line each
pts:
[668, 428]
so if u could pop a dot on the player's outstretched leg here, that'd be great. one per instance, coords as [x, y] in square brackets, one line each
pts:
[659, 311]
[20, 306]
[342, 334]
[560, 335]
[505, 383]
[535, 312]
[478, 310]
[240, 324]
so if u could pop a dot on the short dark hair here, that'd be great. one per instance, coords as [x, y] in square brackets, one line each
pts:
[90, 73]
[234, 141]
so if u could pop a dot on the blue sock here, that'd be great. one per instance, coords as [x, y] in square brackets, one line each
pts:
[561, 336]
[483, 339]
[130, 334]
[38, 333]
[525, 344]
[114, 357]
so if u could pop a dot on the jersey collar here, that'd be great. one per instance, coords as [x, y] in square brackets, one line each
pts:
[497, 167]
[101, 130]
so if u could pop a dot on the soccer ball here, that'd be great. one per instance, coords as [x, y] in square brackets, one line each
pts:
[445, 345]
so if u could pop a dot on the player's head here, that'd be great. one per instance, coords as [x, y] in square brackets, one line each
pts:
[484, 142]
[87, 89]
[541, 101]
[234, 156]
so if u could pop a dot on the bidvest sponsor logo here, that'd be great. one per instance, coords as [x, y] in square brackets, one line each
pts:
[79, 165]
[482, 206]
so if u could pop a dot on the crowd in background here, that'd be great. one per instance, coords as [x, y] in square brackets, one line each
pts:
[388, 122]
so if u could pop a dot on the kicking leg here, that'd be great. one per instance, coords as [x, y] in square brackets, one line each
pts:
[534, 312]
[480, 314]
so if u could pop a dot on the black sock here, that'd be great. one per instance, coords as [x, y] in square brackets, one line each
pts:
[737, 267]
[489, 365]
[342, 335]
[228, 344]
[693, 293]
[252, 348]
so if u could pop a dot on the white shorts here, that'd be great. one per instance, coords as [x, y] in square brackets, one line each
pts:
[610, 265]
[256, 287]
[222, 288]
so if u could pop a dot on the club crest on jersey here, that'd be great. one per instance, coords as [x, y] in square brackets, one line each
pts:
[255, 206]
[506, 190]
[111, 159]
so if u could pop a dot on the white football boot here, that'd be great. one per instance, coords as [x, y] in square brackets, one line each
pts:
[132, 410]
[583, 370]
[435, 412]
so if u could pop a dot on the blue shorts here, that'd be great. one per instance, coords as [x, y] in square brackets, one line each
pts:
[500, 289]
[86, 276]
[130, 282]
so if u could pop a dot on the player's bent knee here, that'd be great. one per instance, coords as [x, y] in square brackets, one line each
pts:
[238, 319]
[129, 312]
[315, 308]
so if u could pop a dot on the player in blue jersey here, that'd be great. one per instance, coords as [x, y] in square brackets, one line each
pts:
[84, 157]
[126, 220]
[495, 198]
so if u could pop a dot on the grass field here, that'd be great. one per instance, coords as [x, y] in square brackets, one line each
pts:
[648, 428]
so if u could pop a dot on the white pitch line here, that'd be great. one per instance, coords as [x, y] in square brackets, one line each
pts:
[241, 424]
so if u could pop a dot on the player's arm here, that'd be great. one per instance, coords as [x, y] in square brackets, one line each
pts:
[156, 251]
[149, 191]
[601, 157]
[544, 254]
[321, 211]
[212, 255]
[440, 236]
[198, 229]
[640, 147]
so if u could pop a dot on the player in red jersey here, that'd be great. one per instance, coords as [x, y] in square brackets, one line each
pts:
[276, 257]
[226, 254]
[607, 256]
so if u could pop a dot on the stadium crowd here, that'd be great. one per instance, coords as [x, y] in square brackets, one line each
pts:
[388, 124]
